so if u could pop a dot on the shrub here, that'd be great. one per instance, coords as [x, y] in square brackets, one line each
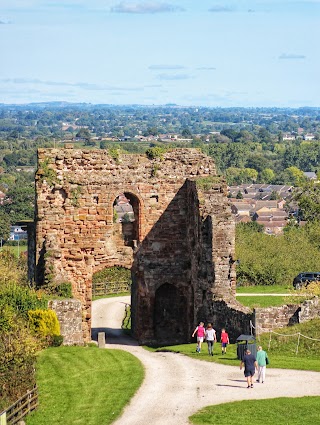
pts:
[64, 290]
[44, 322]
[156, 152]
[20, 299]
[207, 183]
[56, 340]
[274, 260]
[17, 352]
[112, 274]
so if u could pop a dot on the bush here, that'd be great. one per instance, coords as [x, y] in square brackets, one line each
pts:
[64, 290]
[17, 352]
[56, 340]
[274, 260]
[44, 322]
[112, 274]
[156, 152]
[20, 299]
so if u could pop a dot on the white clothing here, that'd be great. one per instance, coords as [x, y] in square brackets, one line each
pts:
[261, 373]
[210, 334]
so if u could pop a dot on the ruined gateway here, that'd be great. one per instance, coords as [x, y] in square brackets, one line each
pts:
[180, 247]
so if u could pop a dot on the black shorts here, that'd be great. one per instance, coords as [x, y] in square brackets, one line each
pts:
[249, 372]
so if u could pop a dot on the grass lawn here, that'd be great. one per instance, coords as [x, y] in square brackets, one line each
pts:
[120, 294]
[280, 411]
[282, 351]
[288, 361]
[17, 250]
[84, 385]
[265, 301]
[270, 289]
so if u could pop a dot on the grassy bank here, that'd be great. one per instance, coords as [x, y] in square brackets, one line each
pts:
[84, 385]
[263, 289]
[17, 250]
[120, 294]
[265, 301]
[281, 411]
[285, 352]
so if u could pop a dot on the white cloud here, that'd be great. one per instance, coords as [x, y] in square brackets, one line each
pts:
[80, 85]
[220, 8]
[206, 68]
[166, 67]
[147, 7]
[174, 77]
[291, 56]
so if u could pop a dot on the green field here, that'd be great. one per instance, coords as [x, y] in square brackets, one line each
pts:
[280, 411]
[84, 385]
[17, 250]
[265, 301]
[120, 294]
[285, 352]
[264, 289]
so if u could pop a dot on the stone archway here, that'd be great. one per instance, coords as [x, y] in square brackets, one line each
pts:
[172, 313]
[183, 232]
[126, 217]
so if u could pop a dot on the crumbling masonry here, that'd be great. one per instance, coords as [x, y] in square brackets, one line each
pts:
[180, 247]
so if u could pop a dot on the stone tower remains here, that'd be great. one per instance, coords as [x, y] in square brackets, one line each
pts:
[180, 246]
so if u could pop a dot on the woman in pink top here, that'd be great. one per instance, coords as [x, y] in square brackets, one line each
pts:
[200, 330]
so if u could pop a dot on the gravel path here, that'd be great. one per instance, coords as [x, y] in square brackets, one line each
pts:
[176, 386]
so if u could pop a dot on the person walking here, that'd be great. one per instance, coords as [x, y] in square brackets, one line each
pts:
[200, 331]
[250, 365]
[262, 363]
[211, 338]
[224, 341]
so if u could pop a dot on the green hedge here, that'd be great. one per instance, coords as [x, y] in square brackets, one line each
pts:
[275, 260]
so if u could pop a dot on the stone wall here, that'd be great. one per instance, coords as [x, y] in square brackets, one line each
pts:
[233, 317]
[310, 309]
[182, 247]
[267, 319]
[69, 313]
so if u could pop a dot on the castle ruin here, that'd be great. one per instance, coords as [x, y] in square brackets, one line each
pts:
[180, 246]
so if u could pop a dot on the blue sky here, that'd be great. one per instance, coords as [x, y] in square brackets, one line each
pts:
[192, 52]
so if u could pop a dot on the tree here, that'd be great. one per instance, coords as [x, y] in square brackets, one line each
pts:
[19, 203]
[84, 134]
[267, 175]
[236, 175]
[229, 132]
[294, 175]
[258, 162]
[153, 131]
[4, 226]
[308, 199]
[186, 133]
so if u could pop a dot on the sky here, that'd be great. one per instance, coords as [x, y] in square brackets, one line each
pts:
[226, 53]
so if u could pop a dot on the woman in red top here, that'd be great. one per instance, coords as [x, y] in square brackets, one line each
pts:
[200, 330]
[224, 341]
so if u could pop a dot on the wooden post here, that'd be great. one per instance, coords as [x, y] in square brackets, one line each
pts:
[101, 340]
[3, 418]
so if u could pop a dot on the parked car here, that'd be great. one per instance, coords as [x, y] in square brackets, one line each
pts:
[303, 279]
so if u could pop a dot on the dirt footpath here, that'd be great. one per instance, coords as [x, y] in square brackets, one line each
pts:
[176, 386]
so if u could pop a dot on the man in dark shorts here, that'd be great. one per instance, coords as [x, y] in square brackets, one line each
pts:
[250, 366]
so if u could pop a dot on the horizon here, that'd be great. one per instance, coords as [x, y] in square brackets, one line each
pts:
[63, 103]
[228, 53]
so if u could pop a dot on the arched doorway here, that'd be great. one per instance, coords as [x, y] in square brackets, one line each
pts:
[126, 217]
[170, 309]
